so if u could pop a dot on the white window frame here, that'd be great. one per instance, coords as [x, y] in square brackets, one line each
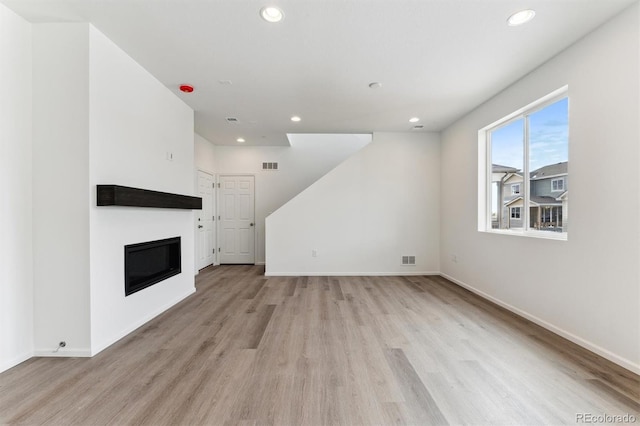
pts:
[557, 180]
[513, 209]
[485, 171]
[513, 192]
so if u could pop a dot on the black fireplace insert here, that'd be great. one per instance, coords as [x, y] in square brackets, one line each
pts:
[149, 263]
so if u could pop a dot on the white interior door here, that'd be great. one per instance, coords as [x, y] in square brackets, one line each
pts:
[205, 230]
[237, 222]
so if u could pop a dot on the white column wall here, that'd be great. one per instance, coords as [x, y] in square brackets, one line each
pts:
[363, 216]
[16, 245]
[587, 288]
[135, 121]
[77, 111]
[61, 188]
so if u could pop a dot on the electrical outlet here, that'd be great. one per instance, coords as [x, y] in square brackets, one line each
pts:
[314, 253]
[454, 258]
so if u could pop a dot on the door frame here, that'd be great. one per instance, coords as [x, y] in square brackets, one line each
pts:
[195, 219]
[255, 225]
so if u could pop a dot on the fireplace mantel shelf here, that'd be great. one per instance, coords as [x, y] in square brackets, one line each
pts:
[116, 195]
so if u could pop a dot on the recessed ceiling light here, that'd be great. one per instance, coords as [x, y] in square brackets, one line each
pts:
[414, 120]
[272, 14]
[375, 85]
[295, 118]
[241, 140]
[521, 17]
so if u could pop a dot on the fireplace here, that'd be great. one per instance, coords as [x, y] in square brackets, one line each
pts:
[149, 263]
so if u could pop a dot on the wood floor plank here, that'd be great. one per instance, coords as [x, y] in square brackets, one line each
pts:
[264, 316]
[250, 350]
[290, 289]
[419, 400]
[336, 290]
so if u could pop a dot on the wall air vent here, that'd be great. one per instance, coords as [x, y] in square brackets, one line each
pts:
[270, 166]
[232, 119]
[408, 260]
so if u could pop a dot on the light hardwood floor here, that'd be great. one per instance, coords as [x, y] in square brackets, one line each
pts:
[247, 350]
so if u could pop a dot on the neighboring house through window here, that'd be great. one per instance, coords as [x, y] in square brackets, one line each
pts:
[526, 173]
[557, 185]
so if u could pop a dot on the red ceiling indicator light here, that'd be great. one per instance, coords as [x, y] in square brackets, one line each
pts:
[186, 88]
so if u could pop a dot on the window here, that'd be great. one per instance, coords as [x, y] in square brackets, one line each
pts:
[551, 216]
[557, 185]
[523, 164]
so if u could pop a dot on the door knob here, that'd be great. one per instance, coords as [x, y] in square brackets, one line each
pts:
[200, 226]
[251, 224]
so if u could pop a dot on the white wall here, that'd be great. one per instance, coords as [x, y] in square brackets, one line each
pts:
[100, 118]
[586, 288]
[134, 122]
[204, 154]
[16, 249]
[76, 112]
[380, 204]
[61, 187]
[307, 159]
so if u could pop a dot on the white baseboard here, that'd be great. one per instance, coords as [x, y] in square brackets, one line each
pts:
[113, 339]
[348, 274]
[7, 364]
[64, 352]
[623, 362]
[260, 263]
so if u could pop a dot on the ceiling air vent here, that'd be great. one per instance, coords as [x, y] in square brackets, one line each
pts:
[270, 166]
[418, 127]
[232, 119]
[408, 260]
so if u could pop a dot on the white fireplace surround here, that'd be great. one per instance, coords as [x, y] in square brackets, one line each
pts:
[100, 117]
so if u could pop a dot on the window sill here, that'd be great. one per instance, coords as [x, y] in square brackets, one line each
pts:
[547, 235]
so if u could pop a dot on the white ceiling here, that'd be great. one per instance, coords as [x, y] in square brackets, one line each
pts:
[436, 59]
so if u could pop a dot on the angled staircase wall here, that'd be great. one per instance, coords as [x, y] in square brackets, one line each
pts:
[309, 157]
[363, 217]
